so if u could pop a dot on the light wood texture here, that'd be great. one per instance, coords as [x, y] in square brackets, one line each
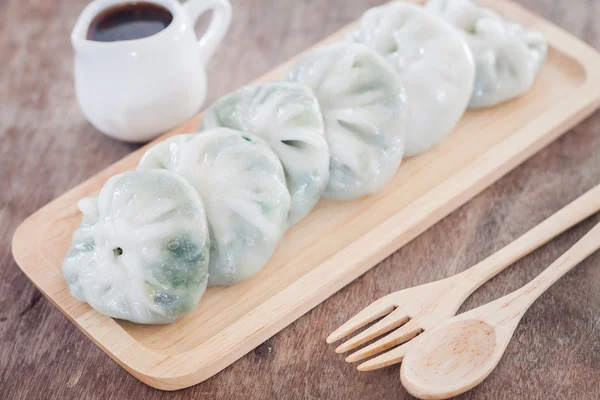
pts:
[420, 309]
[460, 353]
[337, 242]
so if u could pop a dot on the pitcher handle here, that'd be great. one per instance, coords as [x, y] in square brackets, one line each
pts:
[217, 28]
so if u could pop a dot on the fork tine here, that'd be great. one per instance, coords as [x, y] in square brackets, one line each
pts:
[400, 335]
[390, 322]
[375, 310]
[393, 356]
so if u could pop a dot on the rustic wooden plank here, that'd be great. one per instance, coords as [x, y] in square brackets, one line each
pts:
[42, 355]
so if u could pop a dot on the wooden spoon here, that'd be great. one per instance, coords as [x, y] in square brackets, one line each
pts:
[463, 351]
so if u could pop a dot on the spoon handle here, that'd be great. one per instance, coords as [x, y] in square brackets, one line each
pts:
[575, 212]
[587, 245]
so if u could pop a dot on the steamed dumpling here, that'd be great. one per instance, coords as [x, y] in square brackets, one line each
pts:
[288, 117]
[141, 252]
[364, 107]
[508, 57]
[243, 187]
[434, 62]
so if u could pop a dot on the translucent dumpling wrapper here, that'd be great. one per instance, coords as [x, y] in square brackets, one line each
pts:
[434, 62]
[243, 187]
[287, 116]
[141, 252]
[363, 102]
[508, 57]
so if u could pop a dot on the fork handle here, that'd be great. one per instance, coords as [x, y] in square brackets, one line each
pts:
[575, 212]
[581, 250]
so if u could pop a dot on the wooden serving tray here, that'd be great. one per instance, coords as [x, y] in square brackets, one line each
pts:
[337, 242]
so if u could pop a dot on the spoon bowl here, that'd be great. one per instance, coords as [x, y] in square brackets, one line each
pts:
[452, 358]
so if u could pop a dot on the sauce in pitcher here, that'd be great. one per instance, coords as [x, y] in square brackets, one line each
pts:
[129, 21]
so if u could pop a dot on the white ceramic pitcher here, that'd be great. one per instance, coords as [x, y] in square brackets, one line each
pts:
[134, 90]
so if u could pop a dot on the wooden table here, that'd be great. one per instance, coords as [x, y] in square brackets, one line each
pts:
[47, 147]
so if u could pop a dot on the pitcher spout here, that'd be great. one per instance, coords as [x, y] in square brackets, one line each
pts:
[79, 33]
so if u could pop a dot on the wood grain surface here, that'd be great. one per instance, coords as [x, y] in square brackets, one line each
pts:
[47, 147]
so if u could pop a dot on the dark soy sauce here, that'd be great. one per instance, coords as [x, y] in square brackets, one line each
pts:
[129, 21]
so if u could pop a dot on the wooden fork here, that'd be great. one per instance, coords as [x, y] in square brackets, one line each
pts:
[411, 311]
